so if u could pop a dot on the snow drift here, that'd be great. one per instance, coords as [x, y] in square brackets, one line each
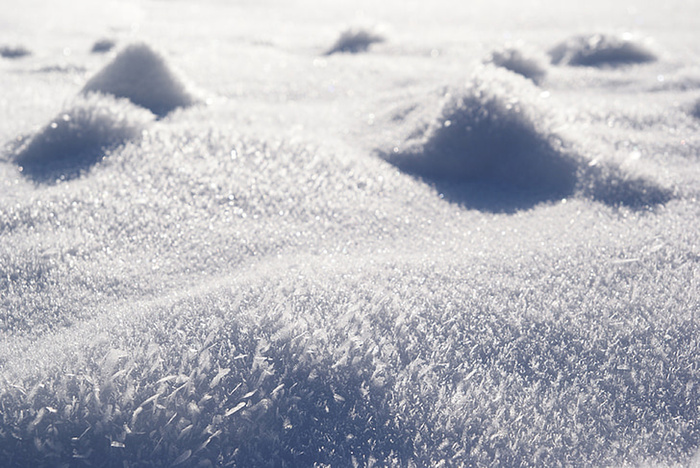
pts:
[598, 50]
[355, 40]
[490, 147]
[141, 75]
[78, 137]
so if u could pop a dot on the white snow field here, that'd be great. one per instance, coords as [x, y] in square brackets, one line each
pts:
[362, 233]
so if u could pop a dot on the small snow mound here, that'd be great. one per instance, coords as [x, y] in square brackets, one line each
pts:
[514, 60]
[78, 137]
[141, 75]
[102, 45]
[356, 40]
[598, 50]
[490, 147]
[489, 134]
[13, 52]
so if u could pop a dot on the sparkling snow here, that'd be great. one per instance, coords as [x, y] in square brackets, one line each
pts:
[468, 238]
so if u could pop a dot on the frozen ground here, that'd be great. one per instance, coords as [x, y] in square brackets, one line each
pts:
[389, 233]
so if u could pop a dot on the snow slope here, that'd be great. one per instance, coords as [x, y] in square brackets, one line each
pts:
[470, 241]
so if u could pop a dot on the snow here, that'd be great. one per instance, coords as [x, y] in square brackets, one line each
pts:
[513, 59]
[13, 52]
[600, 50]
[314, 268]
[141, 75]
[354, 40]
[103, 45]
[486, 133]
[79, 136]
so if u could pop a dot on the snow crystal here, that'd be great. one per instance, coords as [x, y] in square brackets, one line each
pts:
[599, 50]
[355, 40]
[78, 137]
[103, 45]
[142, 75]
[514, 60]
[12, 52]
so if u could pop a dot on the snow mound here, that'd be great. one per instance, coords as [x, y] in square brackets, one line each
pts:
[102, 45]
[78, 137]
[356, 40]
[487, 133]
[140, 74]
[490, 148]
[514, 60]
[598, 50]
[12, 52]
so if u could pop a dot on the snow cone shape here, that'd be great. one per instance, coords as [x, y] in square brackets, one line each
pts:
[355, 40]
[599, 50]
[78, 137]
[485, 134]
[142, 76]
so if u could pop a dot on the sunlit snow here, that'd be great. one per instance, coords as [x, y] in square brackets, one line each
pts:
[361, 233]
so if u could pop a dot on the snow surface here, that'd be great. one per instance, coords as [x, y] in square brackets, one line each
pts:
[444, 251]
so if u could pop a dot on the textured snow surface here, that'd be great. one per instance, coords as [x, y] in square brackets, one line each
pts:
[445, 251]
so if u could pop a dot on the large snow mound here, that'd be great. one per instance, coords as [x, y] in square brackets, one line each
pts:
[79, 136]
[513, 59]
[142, 75]
[601, 50]
[491, 147]
[354, 40]
[488, 133]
